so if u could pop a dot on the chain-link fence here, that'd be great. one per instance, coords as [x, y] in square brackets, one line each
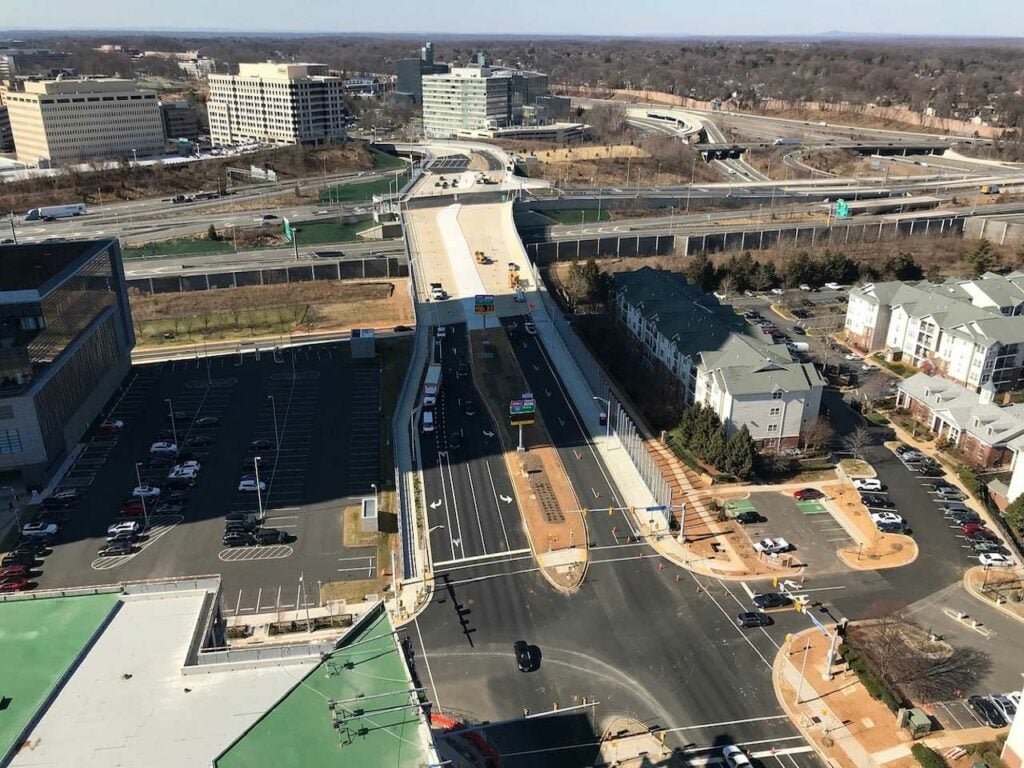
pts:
[619, 420]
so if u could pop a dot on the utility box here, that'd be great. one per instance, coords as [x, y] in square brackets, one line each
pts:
[364, 344]
[915, 722]
[368, 516]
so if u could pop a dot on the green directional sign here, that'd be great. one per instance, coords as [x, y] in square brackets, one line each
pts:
[484, 304]
[288, 234]
[842, 209]
[523, 411]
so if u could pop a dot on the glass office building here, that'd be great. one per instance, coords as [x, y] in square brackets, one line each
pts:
[65, 345]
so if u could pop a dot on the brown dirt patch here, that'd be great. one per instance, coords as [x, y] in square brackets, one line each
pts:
[879, 550]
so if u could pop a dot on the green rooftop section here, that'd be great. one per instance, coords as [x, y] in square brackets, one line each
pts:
[39, 639]
[367, 678]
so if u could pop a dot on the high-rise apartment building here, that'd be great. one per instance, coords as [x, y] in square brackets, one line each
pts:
[56, 122]
[411, 71]
[277, 104]
[464, 101]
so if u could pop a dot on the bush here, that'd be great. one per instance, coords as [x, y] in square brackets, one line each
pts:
[970, 480]
[928, 757]
[876, 687]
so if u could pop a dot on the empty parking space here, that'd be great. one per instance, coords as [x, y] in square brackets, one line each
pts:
[954, 715]
[301, 411]
[451, 163]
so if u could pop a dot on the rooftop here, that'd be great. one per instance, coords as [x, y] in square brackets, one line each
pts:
[992, 424]
[368, 680]
[29, 267]
[39, 642]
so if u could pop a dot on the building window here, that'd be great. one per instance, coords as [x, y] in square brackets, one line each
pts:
[10, 441]
[777, 394]
[773, 428]
[774, 411]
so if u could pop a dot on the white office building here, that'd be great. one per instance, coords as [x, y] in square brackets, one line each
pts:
[467, 101]
[277, 104]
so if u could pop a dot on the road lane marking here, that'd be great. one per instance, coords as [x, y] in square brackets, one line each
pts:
[479, 558]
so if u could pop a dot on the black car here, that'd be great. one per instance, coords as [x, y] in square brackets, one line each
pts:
[178, 416]
[964, 517]
[179, 482]
[986, 711]
[874, 500]
[752, 619]
[116, 548]
[53, 502]
[989, 546]
[402, 329]
[462, 370]
[198, 441]
[240, 526]
[207, 421]
[160, 460]
[177, 496]
[238, 539]
[930, 469]
[524, 659]
[35, 545]
[266, 536]
[890, 527]
[750, 517]
[168, 508]
[799, 331]
[261, 445]
[18, 558]
[771, 600]
[240, 516]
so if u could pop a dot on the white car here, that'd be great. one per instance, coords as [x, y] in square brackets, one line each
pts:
[251, 485]
[804, 287]
[995, 560]
[886, 518]
[193, 466]
[39, 529]
[188, 473]
[125, 526]
[735, 757]
[164, 447]
[1014, 696]
[529, 327]
[442, 332]
[778, 292]
[772, 546]
[852, 357]
[146, 491]
[1005, 705]
[868, 484]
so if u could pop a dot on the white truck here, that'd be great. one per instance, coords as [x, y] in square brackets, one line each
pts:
[54, 212]
[432, 385]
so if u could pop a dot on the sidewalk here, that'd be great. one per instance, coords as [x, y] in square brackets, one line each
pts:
[999, 588]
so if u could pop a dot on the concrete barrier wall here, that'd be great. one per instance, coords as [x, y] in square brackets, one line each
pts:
[303, 272]
[544, 253]
[999, 231]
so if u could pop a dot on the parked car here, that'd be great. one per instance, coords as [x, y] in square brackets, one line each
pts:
[947, 492]
[67, 496]
[12, 571]
[169, 508]
[982, 534]
[248, 525]
[247, 484]
[879, 502]
[37, 546]
[964, 517]
[772, 546]
[808, 494]
[266, 536]
[178, 416]
[261, 445]
[868, 484]
[181, 481]
[752, 619]
[128, 536]
[887, 519]
[164, 447]
[771, 600]
[13, 584]
[27, 559]
[146, 491]
[39, 529]
[238, 539]
[995, 560]
[207, 421]
[132, 526]
[1005, 705]
[750, 517]
[178, 472]
[116, 549]
[986, 711]
[733, 756]
[969, 528]
[198, 441]
[982, 545]
[241, 516]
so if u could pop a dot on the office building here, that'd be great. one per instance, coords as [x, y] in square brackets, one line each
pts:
[411, 71]
[6, 136]
[57, 122]
[198, 67]
[718, 359]
[464, 101]
[970, 331]
[277, 104]
[180, 120]
[524, 88]
[16, 58]
[552, 109]
[66, 337]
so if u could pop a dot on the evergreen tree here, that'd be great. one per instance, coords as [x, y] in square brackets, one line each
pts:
[701, 272]
[211, 233]
[982, 258]
[741, 454]
[717, 454]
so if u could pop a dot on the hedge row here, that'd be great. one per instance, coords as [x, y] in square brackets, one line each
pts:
[928, 757]
[876, 687]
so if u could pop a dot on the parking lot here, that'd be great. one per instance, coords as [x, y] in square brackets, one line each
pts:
[807, 525]
[305, 420]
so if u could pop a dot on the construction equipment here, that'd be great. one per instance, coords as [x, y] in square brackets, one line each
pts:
[481, 258]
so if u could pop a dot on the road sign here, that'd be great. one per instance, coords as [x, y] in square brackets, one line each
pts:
[288, 234]
[842, 209]
[522, 411]
[483, 304]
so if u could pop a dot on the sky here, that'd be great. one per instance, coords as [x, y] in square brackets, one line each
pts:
[523, 17]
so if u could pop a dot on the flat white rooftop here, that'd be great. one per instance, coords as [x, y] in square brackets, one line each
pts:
[128, 703]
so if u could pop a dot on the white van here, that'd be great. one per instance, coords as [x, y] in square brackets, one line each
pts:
[428, 421]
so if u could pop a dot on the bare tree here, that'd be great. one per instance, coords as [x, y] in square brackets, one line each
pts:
[857, 441]
[817, 434]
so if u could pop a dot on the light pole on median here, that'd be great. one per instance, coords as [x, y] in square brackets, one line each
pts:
[142, 497]
[277, 438]
[259, 493]
[608, 416]
[170, 413]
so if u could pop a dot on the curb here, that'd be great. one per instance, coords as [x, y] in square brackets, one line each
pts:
[795, 720]
[973, 592]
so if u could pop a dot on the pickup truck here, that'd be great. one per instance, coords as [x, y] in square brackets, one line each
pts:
[772, 546]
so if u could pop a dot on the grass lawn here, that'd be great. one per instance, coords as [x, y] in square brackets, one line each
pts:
[900, 369]
[221, 325]
[361, 190]
[579, 216]
[382, 161]
[319, 232]
[177, 247]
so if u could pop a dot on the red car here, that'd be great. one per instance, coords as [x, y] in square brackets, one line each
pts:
[969, 528]
[808, 494]
[14, 571]
[110, 427]
[13, 584]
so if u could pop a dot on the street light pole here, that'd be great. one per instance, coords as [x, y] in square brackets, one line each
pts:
[376, 495]
[174, 427]
[138, 480]
[259, 493]
[608, 416]
[277, 439]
